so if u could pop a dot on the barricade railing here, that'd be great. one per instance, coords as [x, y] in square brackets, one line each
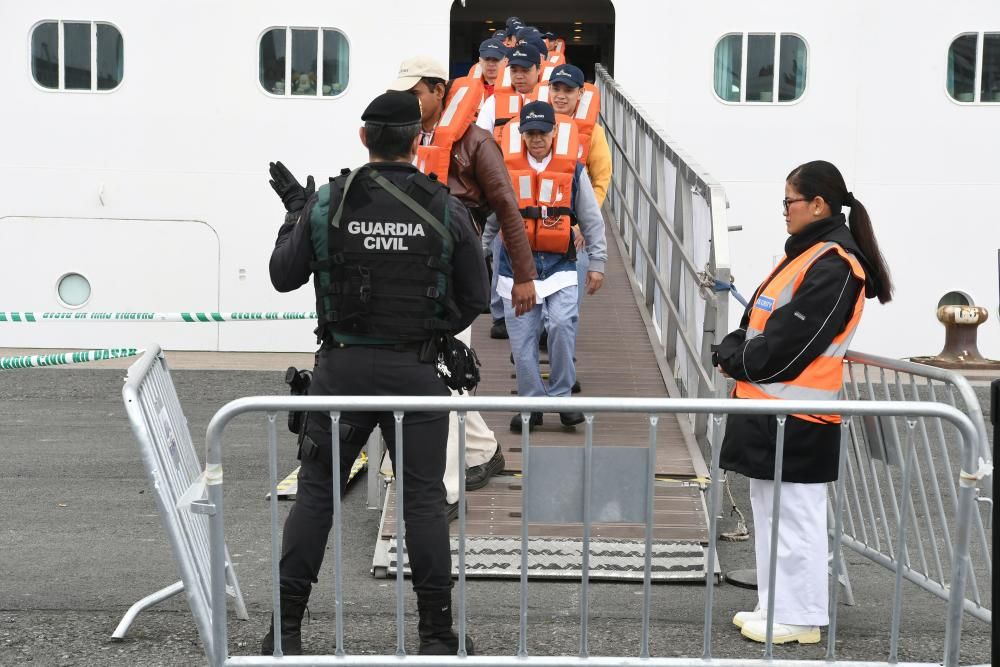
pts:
[178, 483]
[670, 216]
[589, 498]
[876, 464]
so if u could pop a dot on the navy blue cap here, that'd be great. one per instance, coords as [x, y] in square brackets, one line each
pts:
[537, 116]
[527, 32]
[513, 23]
[536, 41]
[571, 75]
[492, 48]
[524, 55]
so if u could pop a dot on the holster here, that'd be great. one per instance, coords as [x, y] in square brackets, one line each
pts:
[310, 449]
[298, 384]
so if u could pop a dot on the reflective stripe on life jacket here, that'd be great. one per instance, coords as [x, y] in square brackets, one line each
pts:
[554, 59]
[587, 111]
[823, 378]
[546, 198]
[557, 45]
[507, 102]
[460, 109]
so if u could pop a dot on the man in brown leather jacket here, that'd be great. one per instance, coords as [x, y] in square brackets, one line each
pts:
[477, 177]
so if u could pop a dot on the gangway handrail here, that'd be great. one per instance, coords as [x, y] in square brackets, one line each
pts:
[672, 257]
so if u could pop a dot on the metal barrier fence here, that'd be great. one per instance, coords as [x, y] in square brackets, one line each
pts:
[671, 219]
[175, 474]
[596, 500]
[885, 452]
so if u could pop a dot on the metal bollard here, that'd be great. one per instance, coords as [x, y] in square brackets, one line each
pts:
[960, 348]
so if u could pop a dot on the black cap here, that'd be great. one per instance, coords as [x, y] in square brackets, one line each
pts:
[393, 109]
[571, 75]
[537, 116]
[524, 55]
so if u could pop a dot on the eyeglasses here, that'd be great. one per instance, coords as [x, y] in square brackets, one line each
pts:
[786, 201]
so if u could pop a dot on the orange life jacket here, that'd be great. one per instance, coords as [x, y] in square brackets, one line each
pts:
[460, 109]
[546, 198]
[585, 116]
[557, 45]
[508, 102]
[554, 59]
[822, 379]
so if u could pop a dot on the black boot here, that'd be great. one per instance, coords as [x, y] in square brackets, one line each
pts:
[292, 609]
[434, 628]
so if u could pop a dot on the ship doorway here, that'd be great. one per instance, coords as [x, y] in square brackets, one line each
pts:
[588, 26]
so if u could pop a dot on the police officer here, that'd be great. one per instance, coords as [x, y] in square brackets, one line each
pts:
[395, 262]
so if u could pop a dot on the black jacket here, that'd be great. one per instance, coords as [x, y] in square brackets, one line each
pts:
[289, 266]
[795, 334]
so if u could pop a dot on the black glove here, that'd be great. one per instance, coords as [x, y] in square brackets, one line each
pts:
[728, 346]
[292, 194]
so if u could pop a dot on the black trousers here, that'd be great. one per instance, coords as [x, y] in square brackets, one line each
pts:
[362, 370]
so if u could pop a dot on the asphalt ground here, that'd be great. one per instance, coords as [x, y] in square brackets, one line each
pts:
[81, 541]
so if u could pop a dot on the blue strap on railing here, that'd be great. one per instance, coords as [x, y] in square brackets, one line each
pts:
[723, 286]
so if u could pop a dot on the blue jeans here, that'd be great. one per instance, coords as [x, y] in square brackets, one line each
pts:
[561, 308]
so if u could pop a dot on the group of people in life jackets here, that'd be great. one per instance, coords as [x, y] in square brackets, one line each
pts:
[543, 115]
[517, 140]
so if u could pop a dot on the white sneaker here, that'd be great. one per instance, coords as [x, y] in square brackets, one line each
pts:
[742, 617]
[756, 629]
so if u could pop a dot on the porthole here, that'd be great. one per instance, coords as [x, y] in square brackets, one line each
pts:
[73, 290]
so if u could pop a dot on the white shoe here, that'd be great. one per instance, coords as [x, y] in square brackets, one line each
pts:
[742, 617]
[756, 629]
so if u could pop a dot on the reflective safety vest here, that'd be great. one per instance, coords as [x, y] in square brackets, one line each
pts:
[557, 45]
[546, 198]
[585, 116]
[460, 110]
[822, 379]
[383, 259]
[508, 102]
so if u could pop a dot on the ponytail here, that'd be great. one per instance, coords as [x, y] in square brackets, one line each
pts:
[861, 229]
[822, 179]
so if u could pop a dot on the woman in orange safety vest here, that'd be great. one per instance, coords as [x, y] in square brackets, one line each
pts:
[790, 346]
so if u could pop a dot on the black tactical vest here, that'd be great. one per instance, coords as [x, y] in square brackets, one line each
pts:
[383, 258]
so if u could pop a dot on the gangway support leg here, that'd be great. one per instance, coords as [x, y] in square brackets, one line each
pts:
[145, 603]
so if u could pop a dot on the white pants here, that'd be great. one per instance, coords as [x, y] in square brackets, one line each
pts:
[480, 443]
[802, 592]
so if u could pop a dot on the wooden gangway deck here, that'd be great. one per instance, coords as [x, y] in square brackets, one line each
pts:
[614, 358]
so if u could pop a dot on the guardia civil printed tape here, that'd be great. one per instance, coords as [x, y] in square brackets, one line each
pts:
[65, 358]
[127, 316]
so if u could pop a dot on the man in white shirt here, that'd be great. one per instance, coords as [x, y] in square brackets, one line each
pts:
[556, 285]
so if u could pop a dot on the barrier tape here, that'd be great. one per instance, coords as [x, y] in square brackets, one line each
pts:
[193, 316]
[64, 358]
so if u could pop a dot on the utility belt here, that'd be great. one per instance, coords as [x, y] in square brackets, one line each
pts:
[456, 363]
[423, 348]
